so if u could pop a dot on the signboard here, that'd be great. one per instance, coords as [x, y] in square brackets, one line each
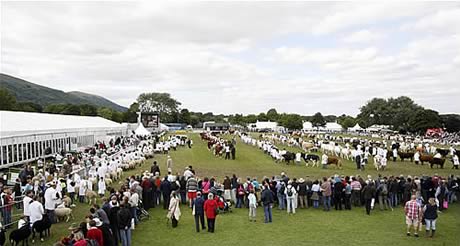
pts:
[13, 175]
[150, 120]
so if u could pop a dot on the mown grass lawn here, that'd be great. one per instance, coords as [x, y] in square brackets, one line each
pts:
[307, 227]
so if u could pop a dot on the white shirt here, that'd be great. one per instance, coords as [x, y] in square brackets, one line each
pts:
[50, 198]
[70, 188]
[456, 162]
[134, 199]
[27, 200]
[36, 211]
[101, 186]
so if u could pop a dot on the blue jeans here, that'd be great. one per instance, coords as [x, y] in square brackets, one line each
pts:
[125, 236]
[268, 213]
[327, 203]
[239, 201]
[134, 214]
[281, 202]
[315, 203]
[430, 224]
[6, 217]
[394, 199]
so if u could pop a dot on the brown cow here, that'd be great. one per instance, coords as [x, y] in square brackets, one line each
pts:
[433, 161]
[406, 155]
[334, 160]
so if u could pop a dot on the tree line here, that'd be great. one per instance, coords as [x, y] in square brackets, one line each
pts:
[401, 113]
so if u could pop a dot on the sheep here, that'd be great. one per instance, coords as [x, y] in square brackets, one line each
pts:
[108, 182]
[20, 235]
[91, 196]
[62, 212]
[41, 226]
[119, 173]
[67, 201]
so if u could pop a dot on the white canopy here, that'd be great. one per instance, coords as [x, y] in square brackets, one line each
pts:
[333, 126]
[356, 128]
[307, 125]
[141, 131]
[14, 123]
[163, 127]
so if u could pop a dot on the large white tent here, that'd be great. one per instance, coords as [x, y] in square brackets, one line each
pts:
[333, 127]
[141, 131]
[356, 128]
[259, 125]
[26, 136]
[307, 126]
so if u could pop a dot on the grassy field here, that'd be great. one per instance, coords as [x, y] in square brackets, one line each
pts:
[307, 227]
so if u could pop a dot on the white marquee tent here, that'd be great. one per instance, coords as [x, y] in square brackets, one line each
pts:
[141, 131]
[25, 136]
[356, 128]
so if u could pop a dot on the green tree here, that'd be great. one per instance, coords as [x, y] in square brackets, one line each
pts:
[262, 117]
[424, 119]
[88, 110]
[184, 117]
[250, 118]
[346, 121]
[291, 121]
[7, 100]
[117, 116]
[71, 109]
[54, 108]
[318, 120]
[28, 107]
[105, 113]
[130, 116]
[162, 103]
[272, 115]
[451, 122]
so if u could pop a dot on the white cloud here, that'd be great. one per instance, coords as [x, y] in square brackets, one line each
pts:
[219, 56]
[363, 36]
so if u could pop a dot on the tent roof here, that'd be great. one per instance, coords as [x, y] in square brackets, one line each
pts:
[356, 127]
[307, 125]
[333, 125]
[141, 131]
[18, 123]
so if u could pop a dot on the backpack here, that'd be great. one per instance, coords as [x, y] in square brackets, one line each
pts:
[385, 189]
[92, 242]
[282, 189]
[250, 187]
[289, 192]
[240, 191]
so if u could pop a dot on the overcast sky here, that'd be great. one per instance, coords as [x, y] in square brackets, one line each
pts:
[240, 57]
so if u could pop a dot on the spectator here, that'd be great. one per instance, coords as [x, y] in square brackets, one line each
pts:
[95, 233]
[174, 209]
[210, 208]
[124, 218]
[198, 212]
[267, 202]
[430, 213]
[412, 211]
[252, 206]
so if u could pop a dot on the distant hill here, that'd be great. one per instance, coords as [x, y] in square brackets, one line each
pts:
[25, 91]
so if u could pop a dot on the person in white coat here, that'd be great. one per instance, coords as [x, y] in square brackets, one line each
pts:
[51, 197]
[252, 206]
[174, 209]
[36, 211]
[290, 193]
[27, 201]
[101, 187]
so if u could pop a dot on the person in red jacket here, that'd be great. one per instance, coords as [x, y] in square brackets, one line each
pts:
[210, 209]
[94, 232]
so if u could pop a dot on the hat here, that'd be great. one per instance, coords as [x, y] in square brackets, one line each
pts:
[301, 180]
[74, 226]
[98, 222]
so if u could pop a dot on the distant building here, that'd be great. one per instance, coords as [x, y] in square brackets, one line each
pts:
[176, 126]
[307, 126]
[333, 127]
[263, 126]
[213, 126]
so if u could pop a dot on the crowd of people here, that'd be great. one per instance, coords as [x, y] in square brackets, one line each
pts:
[111, 221]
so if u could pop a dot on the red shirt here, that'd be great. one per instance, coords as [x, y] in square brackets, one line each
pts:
[95, 234]
[210, 207]
[81, 242]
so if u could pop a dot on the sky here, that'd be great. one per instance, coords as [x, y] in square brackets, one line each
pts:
[240, 57]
